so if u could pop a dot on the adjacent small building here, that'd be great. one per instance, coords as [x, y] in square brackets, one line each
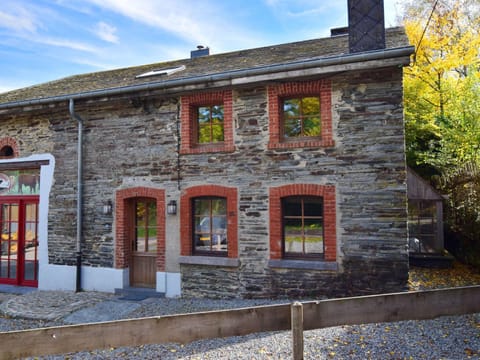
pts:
[277, 171]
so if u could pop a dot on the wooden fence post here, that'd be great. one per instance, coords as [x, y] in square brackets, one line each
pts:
[297, 330]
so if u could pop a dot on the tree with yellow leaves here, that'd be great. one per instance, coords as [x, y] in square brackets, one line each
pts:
[442, 110]
[442, 87]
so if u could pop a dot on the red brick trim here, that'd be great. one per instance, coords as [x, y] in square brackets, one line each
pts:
[123, 224]
[329, 209]
[186, 216]
[189, 103]
[11, 142]
[323, 89]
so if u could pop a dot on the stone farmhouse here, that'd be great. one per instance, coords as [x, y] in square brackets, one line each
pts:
[268, 172]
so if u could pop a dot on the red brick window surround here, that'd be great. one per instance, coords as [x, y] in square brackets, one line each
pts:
[327, 192]
[124, 218]
[8, 148]
[189, 130]
[277, 94]
[186, 216]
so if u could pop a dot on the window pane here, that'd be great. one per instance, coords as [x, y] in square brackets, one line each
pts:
[217, 133]
[202, 207]
[293, 235]
[313, 236]
[217, 113]
[140, 240]
[310, 106]
[291, 108]
[203, 114]
[141, 214]
[313, 207]
[292, 206]
[293, 127]
[314, 245]
[311, 126]
[219, 206]
[152, 213]
[152, 240]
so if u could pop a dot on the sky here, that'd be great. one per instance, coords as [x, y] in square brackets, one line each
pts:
[44, 40]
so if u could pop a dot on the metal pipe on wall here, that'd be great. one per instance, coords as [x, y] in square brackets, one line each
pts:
[74, 116]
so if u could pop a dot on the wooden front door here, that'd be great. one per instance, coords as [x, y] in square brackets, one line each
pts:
[143, 267]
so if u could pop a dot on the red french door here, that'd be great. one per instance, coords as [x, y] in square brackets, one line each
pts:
[19, 240]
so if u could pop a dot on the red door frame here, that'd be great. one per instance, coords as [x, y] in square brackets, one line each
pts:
[22, 202]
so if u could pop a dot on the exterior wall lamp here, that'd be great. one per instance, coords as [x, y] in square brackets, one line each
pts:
[172, 207]
[107, 208]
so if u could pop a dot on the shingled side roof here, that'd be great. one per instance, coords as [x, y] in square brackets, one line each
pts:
[207, 65]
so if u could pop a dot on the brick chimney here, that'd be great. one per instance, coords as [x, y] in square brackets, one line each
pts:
[366, 25]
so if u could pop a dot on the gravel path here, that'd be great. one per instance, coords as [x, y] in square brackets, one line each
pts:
[452, 337]
[455, 337]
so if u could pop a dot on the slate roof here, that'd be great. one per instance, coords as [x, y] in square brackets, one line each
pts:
[212, 64]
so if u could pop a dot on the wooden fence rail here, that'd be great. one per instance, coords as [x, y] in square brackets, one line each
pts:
[186, 328]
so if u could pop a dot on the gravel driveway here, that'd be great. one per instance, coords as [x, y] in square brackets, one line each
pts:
[451, 337]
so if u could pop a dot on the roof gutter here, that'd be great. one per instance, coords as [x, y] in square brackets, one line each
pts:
[226, 76]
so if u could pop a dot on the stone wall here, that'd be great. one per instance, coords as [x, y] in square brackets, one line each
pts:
[132, 141]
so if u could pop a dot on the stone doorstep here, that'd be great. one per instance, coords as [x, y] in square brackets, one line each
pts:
[137, 294]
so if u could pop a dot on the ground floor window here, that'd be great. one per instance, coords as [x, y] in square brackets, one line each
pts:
[210, 225]
[302, 227]
[303, 222]
[208, 221]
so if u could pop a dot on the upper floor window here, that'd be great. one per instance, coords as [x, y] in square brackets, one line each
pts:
[300, 114]
[301, 117]
[210, 124]
[206, 122]
[302, 227]
[210, 226]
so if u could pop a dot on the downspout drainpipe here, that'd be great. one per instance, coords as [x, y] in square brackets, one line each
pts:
[74, 116]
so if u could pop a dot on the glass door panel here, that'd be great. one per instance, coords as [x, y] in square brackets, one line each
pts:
[9, 240]
[30, 260]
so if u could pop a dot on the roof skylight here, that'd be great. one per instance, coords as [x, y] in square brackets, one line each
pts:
[167, 71]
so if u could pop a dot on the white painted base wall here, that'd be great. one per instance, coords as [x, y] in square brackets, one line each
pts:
[63, 277]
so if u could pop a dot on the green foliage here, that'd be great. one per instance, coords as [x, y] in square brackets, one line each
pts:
[210, 124]
[442, 86]
[442, 109]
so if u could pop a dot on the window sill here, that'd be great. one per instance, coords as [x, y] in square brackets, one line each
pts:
[210, 261]
[301, 144]
[223, 148]
[303, 264]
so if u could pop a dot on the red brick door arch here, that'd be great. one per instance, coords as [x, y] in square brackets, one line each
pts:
[124, 213]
